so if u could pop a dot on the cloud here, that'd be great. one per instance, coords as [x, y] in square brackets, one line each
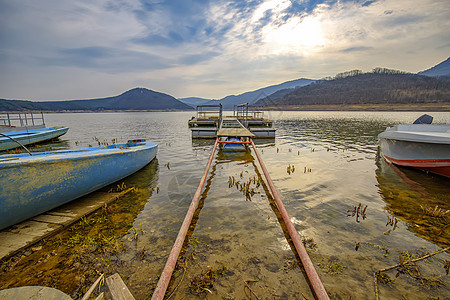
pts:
[105, 59]
[353, 49]
[368, 3]
[209, 48]
[197, 58]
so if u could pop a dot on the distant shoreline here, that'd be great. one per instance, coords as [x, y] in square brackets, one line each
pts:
[439, 107]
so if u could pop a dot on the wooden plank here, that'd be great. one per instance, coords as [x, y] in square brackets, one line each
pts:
[4, 251]
[118, 289]
[52, 219]
[27, 233]
[33, 228]
[100, 297]
[92, 288]
[238, 132]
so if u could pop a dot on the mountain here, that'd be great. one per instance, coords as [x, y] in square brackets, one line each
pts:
[382, 86]
[194, 101]
[135, 99]
[442, 69]
[253, 96]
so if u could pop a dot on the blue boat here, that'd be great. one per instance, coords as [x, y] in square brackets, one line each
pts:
[234, 145]
[11, 140]
[19, 129]
[33, 184]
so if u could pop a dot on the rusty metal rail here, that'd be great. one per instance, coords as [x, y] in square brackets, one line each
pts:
[166, 274]
[311, 273]
[233, 142]
[313, 278]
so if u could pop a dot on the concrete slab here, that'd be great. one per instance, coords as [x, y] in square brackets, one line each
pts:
[31, 231]
[33, 292]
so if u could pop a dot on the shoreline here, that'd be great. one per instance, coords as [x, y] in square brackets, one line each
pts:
[434, 107]
[440, 107]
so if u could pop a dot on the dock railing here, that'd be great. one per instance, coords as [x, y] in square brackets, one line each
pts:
[22, 120]
[244, 112]
[206, 111]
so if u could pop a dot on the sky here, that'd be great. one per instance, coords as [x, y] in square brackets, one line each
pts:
[82, 49]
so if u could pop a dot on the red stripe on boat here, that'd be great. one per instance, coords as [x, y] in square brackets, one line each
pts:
[438, 166]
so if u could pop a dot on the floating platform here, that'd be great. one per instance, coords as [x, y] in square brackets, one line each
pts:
[209, 122]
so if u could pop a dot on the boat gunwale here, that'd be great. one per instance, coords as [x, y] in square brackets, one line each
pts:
[14, 160]
[26, 133]
[418, 133]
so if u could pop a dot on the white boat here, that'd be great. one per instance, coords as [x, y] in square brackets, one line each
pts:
[422, 146]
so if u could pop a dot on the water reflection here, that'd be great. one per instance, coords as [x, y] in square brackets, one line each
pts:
[225, 237]
[200, 144]
[336, 169]
[145, 180]
[334, 133]
[417, 198]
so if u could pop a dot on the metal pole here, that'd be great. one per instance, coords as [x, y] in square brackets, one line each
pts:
[311, 273]
[166, 274]
[220, 116]
[14, 140]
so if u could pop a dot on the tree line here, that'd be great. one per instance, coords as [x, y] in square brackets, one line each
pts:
[381, 86]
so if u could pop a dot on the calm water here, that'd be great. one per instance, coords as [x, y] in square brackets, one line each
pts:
[337, 169]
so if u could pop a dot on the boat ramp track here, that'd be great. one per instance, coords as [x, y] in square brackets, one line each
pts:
[312, 276]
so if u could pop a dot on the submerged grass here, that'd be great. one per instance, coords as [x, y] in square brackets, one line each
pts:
[70, 260]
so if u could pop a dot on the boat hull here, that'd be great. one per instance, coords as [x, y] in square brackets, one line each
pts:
[431, 157]
[31, 136]
[235, 145]
[30, 185]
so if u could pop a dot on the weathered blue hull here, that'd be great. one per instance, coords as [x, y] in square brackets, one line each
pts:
[233, 146]
[30, 185]
[31, 136]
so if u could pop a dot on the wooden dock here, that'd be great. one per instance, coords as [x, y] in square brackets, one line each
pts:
[208, 123]
[232, 127]
[29, 232]
[235, 132]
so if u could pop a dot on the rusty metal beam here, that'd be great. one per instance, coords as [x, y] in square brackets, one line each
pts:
[166, 274]
[314, 280]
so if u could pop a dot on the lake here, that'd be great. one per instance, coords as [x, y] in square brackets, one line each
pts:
[355, 213]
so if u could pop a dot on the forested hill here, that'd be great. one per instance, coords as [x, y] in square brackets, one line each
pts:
[135, 99]
[382, 86]
[441, 69]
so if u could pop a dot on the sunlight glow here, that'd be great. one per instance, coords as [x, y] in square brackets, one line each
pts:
[298, 35]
